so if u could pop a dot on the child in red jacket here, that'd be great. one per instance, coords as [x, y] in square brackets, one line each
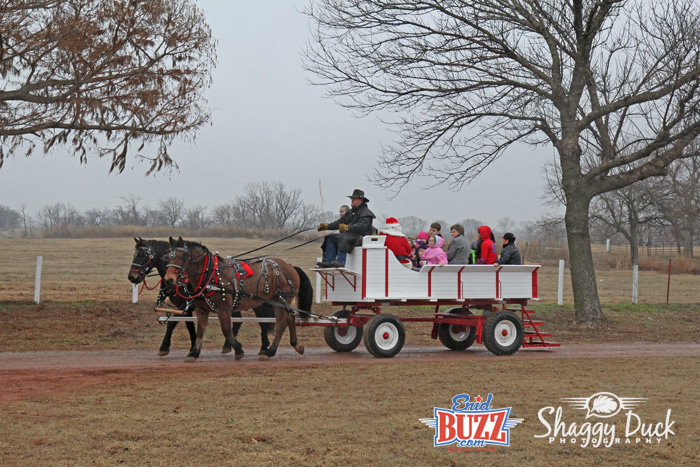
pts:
[488, 247]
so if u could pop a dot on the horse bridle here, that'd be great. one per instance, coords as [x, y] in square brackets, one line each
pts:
[181, 282]
[144, 269]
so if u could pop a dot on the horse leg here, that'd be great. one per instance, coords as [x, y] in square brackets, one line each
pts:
[202, 318]
[264, 311]
[165, 345]
[280, 324]
[225, 321]
[293, 334]
[234, 330]
[190, 327]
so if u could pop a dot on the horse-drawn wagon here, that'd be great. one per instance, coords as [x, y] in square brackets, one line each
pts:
[373, 279]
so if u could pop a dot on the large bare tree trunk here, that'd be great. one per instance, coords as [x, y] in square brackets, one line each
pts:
[583, 281]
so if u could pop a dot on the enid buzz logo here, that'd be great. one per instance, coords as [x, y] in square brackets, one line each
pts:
[603, 405]
[471, 424]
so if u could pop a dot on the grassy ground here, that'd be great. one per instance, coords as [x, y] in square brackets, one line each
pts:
[348, 415]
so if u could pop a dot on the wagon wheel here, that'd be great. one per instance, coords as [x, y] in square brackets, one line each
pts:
[456, 336]
[342, 338]
[384, 335]
[502, 333]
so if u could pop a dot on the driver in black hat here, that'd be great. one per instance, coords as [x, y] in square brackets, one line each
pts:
[360, 224]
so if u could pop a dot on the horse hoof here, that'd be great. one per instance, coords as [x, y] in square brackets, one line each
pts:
[226, 350]
[299, 349]
[190, 359]
[264, 357]
[163, 353]
[239, 356]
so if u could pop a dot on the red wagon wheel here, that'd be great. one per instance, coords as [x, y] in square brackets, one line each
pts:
[342, 338]
[384, 335]
[456, 336]
[502, 333]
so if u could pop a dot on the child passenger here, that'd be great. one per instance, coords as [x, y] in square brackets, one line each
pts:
[434, 253]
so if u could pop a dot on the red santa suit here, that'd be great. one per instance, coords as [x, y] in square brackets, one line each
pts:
[396, 241]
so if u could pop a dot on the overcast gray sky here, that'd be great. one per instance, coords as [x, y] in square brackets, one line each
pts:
[268, 123]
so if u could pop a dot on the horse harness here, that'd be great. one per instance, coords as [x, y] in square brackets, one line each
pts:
[211, 282]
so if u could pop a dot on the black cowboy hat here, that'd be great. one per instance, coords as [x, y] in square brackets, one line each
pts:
[359, 194]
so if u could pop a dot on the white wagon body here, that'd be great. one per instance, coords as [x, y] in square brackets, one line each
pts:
[372, 273]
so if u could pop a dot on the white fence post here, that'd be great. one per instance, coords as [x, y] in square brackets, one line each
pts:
[607, 245]
[635, 282]
[134, 293]
[560, 289]
[318, 284]
[37, 279]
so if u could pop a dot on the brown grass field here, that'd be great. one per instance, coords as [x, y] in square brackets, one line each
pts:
[247, 413]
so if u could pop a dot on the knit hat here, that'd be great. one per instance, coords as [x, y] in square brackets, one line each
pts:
[422, 235]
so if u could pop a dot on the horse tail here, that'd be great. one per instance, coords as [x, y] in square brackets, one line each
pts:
[305, 298]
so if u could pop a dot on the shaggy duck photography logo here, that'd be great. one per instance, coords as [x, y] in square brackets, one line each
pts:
[627, 428]
[471, 424]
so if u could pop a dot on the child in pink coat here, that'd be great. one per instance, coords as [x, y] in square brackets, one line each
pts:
[434, 253]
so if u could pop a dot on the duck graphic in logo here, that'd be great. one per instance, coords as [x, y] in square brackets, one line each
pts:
[604, 404]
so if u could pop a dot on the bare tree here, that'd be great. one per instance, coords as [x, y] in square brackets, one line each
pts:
[26, 219]
[224, 215]
[129, 212]
[103, 77]
[98, 217]
[677, 197]
[170, 211]
[194, 218]
[611, 84]
[9, 218]
[470, 227]
[411, 225]
[270, 205]
[625, 210]
[547, 228]
[59, 215]
[505, 224]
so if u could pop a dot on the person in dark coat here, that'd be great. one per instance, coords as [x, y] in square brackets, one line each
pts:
[331, 252]
[510, 253]
[352, 230]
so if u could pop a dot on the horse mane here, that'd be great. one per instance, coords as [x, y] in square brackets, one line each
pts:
[194, 244]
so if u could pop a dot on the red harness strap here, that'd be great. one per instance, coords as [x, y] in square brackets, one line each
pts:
[248, 271]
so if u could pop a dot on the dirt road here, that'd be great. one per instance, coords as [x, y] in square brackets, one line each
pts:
[32, 374]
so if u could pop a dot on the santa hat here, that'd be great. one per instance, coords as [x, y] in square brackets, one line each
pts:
[392, 227]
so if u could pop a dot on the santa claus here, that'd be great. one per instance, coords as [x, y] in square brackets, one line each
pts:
[396, 241]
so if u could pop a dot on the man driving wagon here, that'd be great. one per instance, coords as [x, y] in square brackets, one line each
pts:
[359, 225]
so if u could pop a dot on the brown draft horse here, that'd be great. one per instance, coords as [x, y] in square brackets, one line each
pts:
[209, 280]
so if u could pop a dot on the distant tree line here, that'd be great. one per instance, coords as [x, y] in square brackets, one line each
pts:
[263, 205]
[657, 210]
